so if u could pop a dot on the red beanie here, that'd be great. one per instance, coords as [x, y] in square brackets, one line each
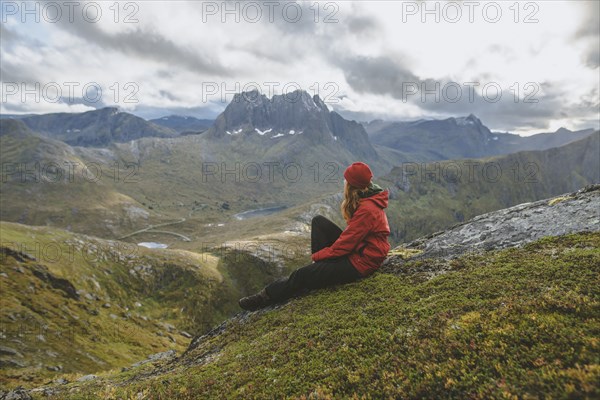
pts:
[358, 175]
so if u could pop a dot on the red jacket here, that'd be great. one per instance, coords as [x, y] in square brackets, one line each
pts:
[365, 237]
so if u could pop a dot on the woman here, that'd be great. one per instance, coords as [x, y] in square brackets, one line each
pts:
[339, 256]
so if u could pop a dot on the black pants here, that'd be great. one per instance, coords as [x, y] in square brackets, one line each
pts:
[318, 274]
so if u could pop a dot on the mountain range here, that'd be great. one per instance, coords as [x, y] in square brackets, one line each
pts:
[97, 128]
[462, 137]
[251, 135]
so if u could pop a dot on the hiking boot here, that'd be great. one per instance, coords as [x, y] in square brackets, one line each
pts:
[256, 301]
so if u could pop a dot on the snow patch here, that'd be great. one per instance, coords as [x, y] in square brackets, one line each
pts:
[263, 132]
[278, 135]
[153, 245]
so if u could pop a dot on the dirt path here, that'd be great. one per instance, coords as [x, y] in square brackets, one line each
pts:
[150, 229]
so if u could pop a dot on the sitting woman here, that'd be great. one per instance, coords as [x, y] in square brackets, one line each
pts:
[339, 256]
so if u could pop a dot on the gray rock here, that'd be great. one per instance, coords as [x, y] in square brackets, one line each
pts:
[19, 393]
[86, 378]
[11, 363]
[155, 357]
[9, 351]
[510, 227]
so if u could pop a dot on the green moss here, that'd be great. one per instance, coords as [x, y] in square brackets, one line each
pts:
[517, 323]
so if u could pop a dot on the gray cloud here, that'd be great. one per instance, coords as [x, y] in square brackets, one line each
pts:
[149, 112]
[385, 76]
[591, 21]
[149, 45]
[7, 36]
[11, 72]
[168, 95]
[589, 31]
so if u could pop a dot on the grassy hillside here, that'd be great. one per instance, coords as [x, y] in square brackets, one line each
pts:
[74, 303]
[430, 197]
[517, 323]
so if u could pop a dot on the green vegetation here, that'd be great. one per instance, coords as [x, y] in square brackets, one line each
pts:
[517, 323]
[72, 303]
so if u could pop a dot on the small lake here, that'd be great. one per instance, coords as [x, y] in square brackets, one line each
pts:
[153, 245]
[259, 212]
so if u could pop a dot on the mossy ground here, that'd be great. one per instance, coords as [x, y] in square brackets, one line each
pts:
[517, 323]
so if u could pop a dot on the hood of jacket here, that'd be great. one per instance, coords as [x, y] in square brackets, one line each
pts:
[375, 194]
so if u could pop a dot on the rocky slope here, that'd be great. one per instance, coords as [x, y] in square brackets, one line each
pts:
[574, 212]
[73, 303]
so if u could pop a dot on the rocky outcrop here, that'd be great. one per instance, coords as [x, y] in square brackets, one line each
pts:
[64, 285]
[514, 226]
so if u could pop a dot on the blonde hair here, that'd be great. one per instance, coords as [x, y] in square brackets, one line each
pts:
[351, 200]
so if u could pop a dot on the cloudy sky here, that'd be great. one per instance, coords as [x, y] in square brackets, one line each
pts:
[525, 68]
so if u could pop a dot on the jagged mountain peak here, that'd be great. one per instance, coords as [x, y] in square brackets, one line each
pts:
[563, 130]
[292, 116]
[298, 98]
[471, 119]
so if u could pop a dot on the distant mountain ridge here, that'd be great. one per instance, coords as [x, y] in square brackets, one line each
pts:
[460, 137]
[183, 124]
[96, 128]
